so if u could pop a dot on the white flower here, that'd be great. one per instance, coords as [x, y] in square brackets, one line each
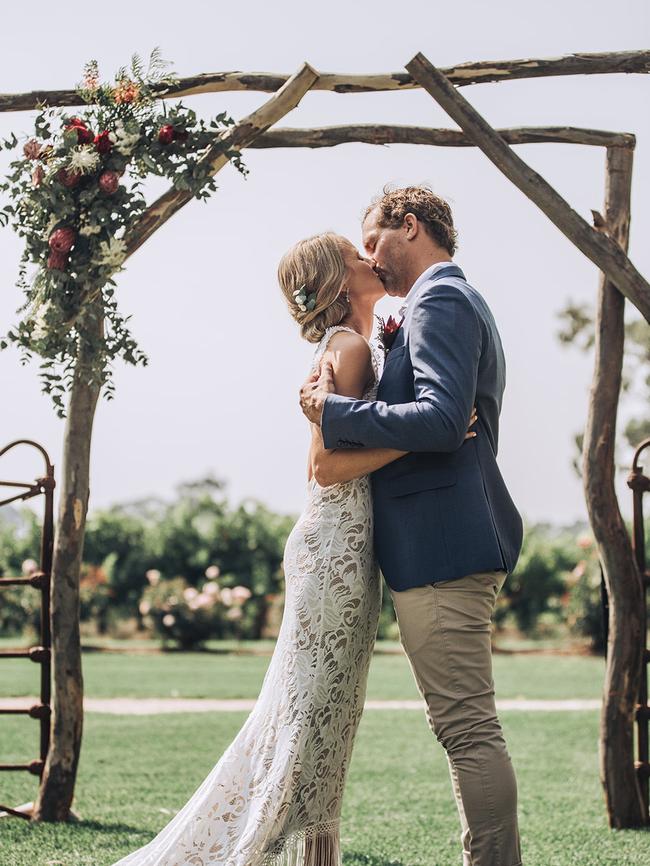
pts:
[204, 599]
[88, 229]
[240, 594]
[29, 566]
[169, 619]
[144, 607]
[226, 596]
[212, 571]
[84, 159]
[190, 593]
[234, 614]
[123, 142]
[111, 253]
[212, 588]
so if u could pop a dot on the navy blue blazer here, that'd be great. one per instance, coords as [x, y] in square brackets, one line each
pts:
[443, 510]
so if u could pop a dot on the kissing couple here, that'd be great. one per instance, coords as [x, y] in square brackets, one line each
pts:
[402, 477]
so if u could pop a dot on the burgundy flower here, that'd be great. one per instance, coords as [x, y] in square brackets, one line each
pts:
[388, 331]
[61, 240]
[32, 149]
[103, 143]
[166, 134]
[181, 134]
[57, 260]
[68, 178]
[84, 135]
[109, 181]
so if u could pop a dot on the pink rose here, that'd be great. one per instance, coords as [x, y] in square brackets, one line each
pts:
[109, 181]
[32, 149]
[61, 240]
[37, 175]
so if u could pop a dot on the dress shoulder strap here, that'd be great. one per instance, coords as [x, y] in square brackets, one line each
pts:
[322, 346]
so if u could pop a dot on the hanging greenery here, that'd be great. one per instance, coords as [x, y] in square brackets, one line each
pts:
[74, 195]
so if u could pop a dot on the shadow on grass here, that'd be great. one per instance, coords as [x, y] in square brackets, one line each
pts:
[108, 828]
[358, 858]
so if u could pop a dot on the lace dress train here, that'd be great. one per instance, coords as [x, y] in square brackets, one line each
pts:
[274, 797]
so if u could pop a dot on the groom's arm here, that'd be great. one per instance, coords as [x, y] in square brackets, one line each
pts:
[445, 346]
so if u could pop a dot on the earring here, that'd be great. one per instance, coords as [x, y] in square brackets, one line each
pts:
[347, 295]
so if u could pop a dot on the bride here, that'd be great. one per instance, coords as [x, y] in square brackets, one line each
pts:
[274, 797]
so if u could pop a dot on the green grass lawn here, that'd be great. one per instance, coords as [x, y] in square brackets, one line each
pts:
[398, 809]
[209, 675]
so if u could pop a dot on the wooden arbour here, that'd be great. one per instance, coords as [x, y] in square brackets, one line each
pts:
[605, 243]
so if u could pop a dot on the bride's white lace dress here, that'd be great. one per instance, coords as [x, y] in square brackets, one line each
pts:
[274, 797]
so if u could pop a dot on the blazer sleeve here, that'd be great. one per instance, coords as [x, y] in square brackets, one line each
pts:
[445, 343]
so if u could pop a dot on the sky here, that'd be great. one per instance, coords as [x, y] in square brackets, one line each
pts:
[225, 359]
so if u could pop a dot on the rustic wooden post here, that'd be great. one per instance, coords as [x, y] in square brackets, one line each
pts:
[624, 803]
[603, 250]
[56, 791]
[57, 786]
[622, 578]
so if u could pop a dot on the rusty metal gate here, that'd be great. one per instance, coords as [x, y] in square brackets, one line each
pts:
[40, 582]
[640, 484]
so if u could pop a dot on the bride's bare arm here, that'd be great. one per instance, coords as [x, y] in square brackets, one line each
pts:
[350, 357]
[333, 467]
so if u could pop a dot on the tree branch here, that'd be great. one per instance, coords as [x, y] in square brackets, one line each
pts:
[624, 587]
[463, 74]
[603, 251]
[330, 136]
[237, 137]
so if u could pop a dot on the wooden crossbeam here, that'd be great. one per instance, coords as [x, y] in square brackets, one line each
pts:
[603, 250]
[481, 72]
[372, 133]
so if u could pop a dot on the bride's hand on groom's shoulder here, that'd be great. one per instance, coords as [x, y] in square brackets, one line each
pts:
[315, 390]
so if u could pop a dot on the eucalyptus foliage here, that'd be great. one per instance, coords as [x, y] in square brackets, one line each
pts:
[73, 197]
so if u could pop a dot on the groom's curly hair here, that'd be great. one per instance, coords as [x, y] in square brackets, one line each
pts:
[432, 211]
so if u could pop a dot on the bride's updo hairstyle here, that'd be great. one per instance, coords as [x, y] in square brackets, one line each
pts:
[317, 264]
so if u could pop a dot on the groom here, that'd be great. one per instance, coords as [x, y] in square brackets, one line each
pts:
[446, 530]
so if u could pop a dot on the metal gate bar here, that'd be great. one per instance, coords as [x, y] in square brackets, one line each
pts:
[640, 484]
[40, 581]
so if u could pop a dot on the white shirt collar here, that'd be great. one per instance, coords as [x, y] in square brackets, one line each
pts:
[424, 276]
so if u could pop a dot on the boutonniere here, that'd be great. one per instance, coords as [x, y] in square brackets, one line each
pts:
[388, 331]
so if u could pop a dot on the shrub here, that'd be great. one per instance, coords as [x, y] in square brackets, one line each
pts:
[188, 616]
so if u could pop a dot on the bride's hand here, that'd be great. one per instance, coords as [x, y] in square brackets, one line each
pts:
[470, 433]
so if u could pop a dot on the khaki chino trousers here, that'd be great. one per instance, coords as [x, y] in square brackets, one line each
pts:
[445, 630]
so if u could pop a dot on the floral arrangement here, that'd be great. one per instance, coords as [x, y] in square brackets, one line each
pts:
[189, 615]
[74, 195]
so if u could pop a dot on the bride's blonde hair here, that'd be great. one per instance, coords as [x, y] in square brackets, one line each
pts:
[317, 264]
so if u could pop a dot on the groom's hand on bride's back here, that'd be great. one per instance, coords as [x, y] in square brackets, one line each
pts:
[314, 392]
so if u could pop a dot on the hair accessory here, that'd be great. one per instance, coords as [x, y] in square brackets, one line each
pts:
[305, 300]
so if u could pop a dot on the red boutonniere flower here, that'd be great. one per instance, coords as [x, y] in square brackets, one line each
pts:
[388, 331]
